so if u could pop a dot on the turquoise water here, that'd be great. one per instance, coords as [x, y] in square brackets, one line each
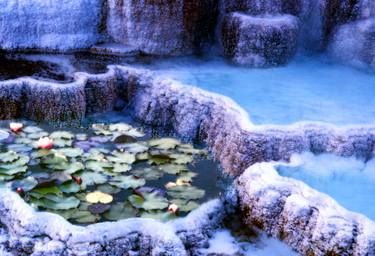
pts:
[349, 181]
[307, 89]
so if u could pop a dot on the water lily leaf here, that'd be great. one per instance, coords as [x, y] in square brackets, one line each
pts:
[120, 211]
[56, 202]
[142, 156]
[81, 137]
[120, 127]
[61, 135]
[23, 141]
[37, 135]
[74, 167]
[135, 133]
[19, 148]
[84, 217]
[92, 178]
[165, 143]
[40, 192]
[61, 143]
[149, 201]
[186, 192]
[134, 148]
[159, 159]
[32, 129]
[26, 184]
[182, 158]
[122, 157]
[126, 182]
[41, 153]
[152, 173]
[173, 168]
[5, 177]
[109, 189]
[8, 157]
[14, 171]
[99, 197]
[98, 166]
[98, 208]
[185, 205]
[20, 162]
[99, 139]
[71, 152]
[121, 168]
[70, 187]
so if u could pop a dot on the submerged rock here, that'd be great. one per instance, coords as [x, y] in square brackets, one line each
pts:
[259, 41]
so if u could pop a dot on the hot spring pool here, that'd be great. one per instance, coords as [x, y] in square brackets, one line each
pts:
[104, 169]
[349, 181]
[307, 89]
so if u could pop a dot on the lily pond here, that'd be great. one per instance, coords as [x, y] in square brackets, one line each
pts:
[104, 171]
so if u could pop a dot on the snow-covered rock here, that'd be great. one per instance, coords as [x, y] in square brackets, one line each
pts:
[310, 222]
[259, 41]
[354, 43]
[161, 27]
[49, 25]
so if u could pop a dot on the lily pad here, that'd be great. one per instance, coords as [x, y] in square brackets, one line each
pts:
[149, 201]
[99, 197]
[98, 208]
[92, 178]
[186, 192]
[184, 205]
[165, 143]
[120, 211]
[126, 182]
[70, 187]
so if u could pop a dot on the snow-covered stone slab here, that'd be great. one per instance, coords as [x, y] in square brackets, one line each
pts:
[49, 25]
[309, 221]
[259, 41]
[23, 231]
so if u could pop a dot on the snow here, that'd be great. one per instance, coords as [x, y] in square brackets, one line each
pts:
[348, 180]
[223, 242]
[307, 89]
[49, 25]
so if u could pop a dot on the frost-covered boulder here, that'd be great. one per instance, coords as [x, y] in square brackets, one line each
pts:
[49, 25]
[161, 27]
[309, 221]
[259, 41]
[354, 43]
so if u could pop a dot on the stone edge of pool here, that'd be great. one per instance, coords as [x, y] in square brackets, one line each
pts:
[193, 113]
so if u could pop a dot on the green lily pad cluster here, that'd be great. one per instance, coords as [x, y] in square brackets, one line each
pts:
[107, 172]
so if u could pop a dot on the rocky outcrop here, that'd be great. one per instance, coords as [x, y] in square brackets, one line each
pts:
[49, 25]
[24, 231]
[354, 43]
[162, 27]
[310, 222]
[259, 41]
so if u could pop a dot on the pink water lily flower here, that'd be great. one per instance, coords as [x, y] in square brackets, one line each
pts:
[15, 127]
[173, 208]
[45, 143]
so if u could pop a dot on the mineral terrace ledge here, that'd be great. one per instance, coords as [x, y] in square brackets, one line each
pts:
[309, 221]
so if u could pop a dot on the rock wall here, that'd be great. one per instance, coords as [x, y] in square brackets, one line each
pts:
[162, 27]
[49, 25]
